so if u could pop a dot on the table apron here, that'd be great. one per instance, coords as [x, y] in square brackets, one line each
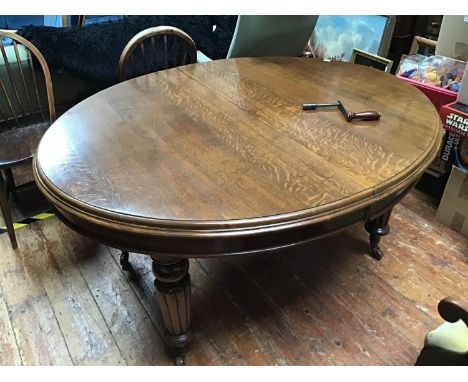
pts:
[219, 245]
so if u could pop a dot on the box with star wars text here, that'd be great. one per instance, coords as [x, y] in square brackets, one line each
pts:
[454, 149]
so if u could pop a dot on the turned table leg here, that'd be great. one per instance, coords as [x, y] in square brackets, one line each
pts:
[124, 261]
[378, 227]
[173, 288]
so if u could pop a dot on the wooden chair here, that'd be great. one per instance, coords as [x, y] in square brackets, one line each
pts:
[159, 48]
[151, 50]
[447, 345]
[81, 20]
[26, 111]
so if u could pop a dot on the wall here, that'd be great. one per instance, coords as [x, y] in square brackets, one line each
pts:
[453, 37]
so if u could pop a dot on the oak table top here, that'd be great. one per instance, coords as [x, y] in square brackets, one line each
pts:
[225, 145]
[219, 158]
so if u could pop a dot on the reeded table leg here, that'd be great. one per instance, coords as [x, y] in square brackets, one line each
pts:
[378, 227]
[173, 286]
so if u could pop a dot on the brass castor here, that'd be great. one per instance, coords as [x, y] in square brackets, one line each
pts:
[180, 360]
[377, 253]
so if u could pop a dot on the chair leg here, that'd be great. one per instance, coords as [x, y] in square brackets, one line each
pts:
[6, 212]
[10, 184]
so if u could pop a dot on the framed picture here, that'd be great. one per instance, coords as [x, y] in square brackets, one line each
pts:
[335, 37]
[361, 57]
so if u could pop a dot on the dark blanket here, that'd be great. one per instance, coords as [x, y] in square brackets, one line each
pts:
[92, 52]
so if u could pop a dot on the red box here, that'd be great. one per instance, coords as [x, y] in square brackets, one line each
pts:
[438, 96]
[454, 116]
[455, 121]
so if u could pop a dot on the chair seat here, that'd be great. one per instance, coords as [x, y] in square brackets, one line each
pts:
[18, 145]
[449, 336]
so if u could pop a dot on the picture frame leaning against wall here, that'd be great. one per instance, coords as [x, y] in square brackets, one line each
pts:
[335, 37]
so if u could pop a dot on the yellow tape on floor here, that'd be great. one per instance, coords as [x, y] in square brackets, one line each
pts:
[42, 215]
[25, 222]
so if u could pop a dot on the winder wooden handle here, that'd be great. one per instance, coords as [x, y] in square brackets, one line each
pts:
[364, 116]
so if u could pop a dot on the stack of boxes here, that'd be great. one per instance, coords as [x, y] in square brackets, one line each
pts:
[447, 177]
[453, 207]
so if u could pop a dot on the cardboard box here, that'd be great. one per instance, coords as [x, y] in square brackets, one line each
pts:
[453, 208]
[455, 146]
[453, 34]
[463, 92]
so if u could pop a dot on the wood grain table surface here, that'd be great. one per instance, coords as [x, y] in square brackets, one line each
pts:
[226, 144]
[219, 157]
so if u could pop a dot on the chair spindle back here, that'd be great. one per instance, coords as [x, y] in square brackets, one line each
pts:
[156, 49]
[21, 96]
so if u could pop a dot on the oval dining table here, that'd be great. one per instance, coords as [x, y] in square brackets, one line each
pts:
[218, 158]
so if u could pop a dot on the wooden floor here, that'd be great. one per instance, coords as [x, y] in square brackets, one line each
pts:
[65, 301]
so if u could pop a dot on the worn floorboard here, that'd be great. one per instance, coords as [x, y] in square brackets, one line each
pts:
[35, 326]
[65, 300]
[9, 353]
